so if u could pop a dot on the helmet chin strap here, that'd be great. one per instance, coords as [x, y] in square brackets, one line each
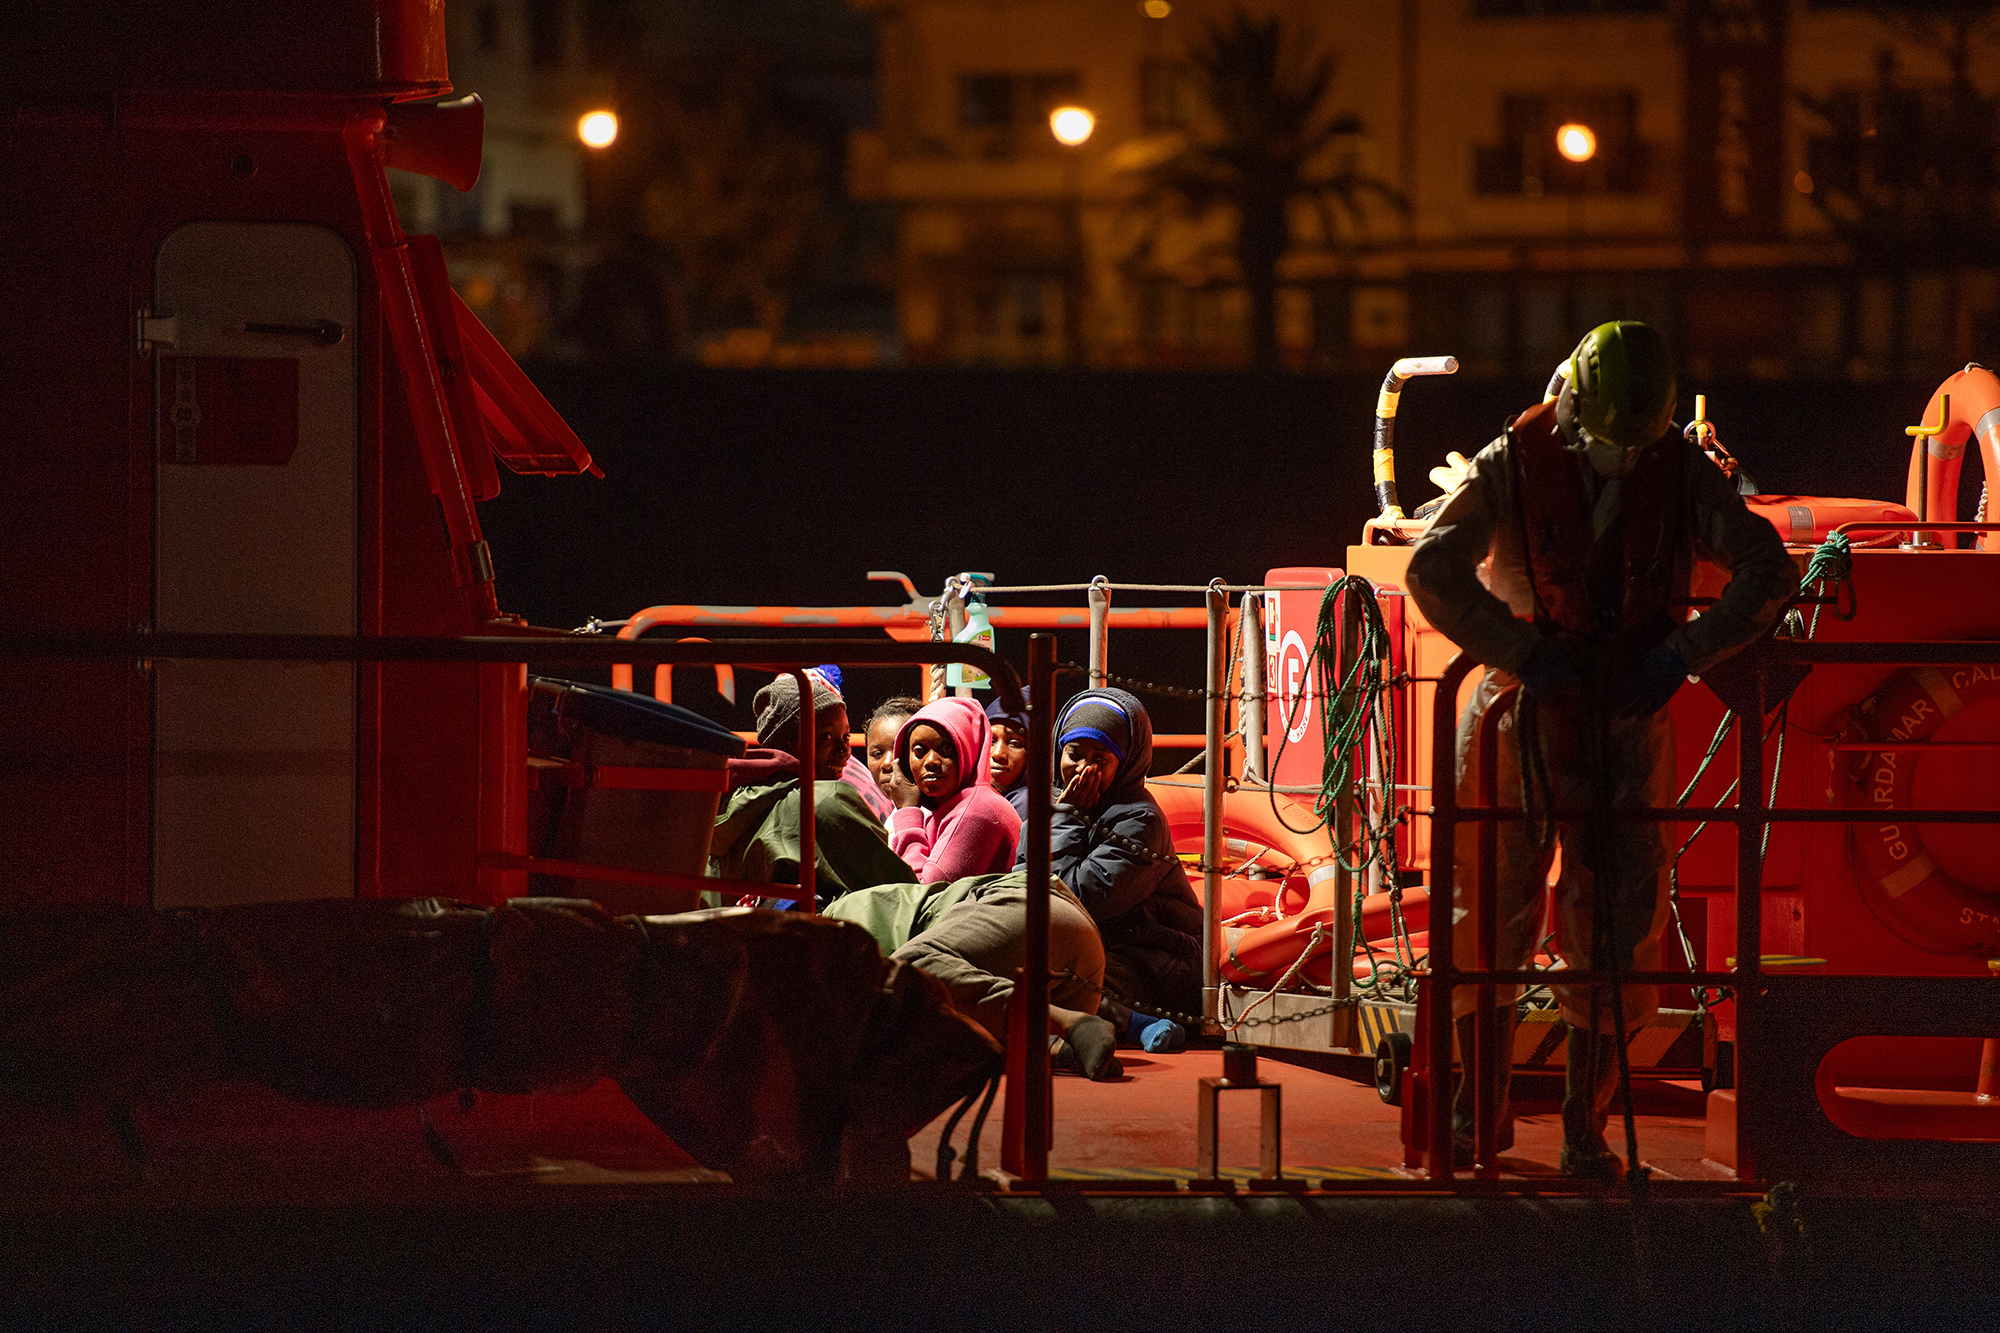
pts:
[1607, 460]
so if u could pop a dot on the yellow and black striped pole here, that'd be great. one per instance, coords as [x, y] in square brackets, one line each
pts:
[1386, 402]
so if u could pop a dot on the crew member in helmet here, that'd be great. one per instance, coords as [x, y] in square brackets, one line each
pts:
[1590, 510]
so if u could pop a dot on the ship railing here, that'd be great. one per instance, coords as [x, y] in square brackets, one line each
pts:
[1786, 1024]
[784, 656]
[912, 621]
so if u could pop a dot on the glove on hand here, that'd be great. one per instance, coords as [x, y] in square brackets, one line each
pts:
[1452, 475]
[1548, 672]
[1650, 685]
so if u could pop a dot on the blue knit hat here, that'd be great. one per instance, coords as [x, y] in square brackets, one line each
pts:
[998, 713]
[1095, 716]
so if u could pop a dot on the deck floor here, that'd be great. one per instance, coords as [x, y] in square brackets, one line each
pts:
[1333, 1127]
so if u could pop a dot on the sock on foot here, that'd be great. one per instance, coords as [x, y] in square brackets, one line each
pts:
[1096, 1044]
[1159, 1035]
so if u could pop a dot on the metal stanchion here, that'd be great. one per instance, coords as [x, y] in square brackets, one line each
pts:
[1443, 973]
[1342, 833]
[1749, 911]
[1036, 1104]
[1472, 1063]
[1211, 803]
[1099, 661]
[1253, 714]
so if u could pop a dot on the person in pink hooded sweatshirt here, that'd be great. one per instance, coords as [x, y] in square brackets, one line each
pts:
[951, 824]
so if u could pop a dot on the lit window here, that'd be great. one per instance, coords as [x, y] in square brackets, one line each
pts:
[1013, 101]
[1580, 143]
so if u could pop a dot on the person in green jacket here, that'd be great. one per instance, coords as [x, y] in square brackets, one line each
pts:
[757, 832]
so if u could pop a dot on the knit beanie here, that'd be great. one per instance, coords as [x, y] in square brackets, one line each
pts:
[1098, 717]
[776, 707]
[998, 713]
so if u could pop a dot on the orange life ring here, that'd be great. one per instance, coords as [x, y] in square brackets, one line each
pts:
[1932, 491]
[1263, 954]
[1304, 898]
[1905, 888]
[1251, 836]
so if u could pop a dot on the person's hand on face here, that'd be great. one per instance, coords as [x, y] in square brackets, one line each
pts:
[831, 747]
[882, 761]
[1008, 758]
[1088, 767]
[933, 762]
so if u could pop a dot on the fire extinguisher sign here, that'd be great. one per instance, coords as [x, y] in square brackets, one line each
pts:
[1295, 692]
[1291, 618]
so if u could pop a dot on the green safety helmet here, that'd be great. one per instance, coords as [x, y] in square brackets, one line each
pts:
[1621, 385]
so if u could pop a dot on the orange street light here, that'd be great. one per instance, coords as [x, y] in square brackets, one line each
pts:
[1576, 142]
[597, 129]
[1071, 125]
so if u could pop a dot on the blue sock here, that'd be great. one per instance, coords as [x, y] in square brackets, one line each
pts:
[1162, 1036]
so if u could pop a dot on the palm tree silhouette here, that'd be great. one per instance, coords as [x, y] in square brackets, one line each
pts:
[1273, 140]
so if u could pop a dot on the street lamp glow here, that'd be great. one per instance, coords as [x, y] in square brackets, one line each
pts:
[597, 129]
[1576, 142]
[1071, 125]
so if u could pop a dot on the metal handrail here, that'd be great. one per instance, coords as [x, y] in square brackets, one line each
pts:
[904, 617]
[786, 656]
[518, 644]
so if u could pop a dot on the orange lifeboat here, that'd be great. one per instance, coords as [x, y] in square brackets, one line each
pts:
[1259, 834]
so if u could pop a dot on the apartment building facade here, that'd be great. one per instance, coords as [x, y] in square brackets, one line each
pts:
[1715, 124]
[513, 243]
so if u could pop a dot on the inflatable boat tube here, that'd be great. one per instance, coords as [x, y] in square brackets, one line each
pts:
[1805, 520]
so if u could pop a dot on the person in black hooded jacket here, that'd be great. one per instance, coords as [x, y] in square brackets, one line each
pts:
[1110, 845]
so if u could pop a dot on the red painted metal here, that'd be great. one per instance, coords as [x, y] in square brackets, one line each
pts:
[1025, 1132]
[131, 124]
[1485, 1107]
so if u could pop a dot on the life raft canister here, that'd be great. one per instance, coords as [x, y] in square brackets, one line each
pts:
[1902, 884]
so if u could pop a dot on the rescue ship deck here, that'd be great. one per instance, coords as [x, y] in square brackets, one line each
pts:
[576, 1212]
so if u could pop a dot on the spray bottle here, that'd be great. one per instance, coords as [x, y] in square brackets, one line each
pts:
[977, 630]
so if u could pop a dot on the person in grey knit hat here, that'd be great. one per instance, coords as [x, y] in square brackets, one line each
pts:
[776, 708]
[757, 830]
